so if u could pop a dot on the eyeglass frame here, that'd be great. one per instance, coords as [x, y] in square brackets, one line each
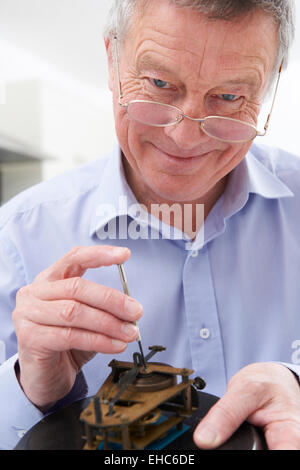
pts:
[181, 113]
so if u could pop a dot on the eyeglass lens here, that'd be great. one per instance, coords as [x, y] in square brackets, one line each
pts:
[157, 114]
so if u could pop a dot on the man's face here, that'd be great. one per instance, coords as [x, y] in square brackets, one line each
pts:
[175, 56]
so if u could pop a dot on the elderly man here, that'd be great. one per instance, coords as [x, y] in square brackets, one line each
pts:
[188, 79]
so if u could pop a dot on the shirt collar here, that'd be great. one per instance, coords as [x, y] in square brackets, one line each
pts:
[252, 176]
[115, 199]
[114, 196]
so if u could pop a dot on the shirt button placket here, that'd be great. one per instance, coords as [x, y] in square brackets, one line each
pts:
[203, 322]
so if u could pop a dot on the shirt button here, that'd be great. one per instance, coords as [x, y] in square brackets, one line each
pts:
[21, 433]
[194, 253]
[204, 333]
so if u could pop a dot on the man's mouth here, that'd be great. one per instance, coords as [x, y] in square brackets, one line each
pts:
[183, 156]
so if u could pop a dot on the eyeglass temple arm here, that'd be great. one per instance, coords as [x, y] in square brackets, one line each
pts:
[273, 102]
[116, 64]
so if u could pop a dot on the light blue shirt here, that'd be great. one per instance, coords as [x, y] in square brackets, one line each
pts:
[216, 307]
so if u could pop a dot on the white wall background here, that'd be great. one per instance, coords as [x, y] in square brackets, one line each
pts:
[53, 82]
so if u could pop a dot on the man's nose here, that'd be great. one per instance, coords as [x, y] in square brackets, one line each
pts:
[187, 134]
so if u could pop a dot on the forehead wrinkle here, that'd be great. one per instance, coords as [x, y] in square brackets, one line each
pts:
[177, 41]
[202, 59]
[190, 64]
[163, 61]
[177, 36]
[254, 74]
[169, 48]
[147, 60]
[169, 36]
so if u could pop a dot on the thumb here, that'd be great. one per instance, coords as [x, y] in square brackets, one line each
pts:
[225, 417]
[79, 259]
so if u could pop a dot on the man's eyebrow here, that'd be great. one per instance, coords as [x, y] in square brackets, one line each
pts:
[250, 81]
[147, 62]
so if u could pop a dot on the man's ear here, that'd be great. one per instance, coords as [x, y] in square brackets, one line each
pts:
[110, 61]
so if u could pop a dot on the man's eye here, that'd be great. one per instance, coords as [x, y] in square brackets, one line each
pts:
[223, 103]
[229, 97]
[160, 83]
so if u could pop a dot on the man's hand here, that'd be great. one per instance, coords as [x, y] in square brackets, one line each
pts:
[266, 395]
[62, 320]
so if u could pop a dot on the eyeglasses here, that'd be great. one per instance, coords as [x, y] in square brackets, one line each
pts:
[158, 114]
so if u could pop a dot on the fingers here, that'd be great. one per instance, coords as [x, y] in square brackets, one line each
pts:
[79, 259]
[62, 339]
[86, 314]
[93, 316]
[61, 320]
[88, 293]
[72, 314]
[81, 304]
[265, 394]
[242, 398]
[283, 435]
[223, 419]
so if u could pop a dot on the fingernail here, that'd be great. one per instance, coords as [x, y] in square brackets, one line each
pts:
[117, 250]
[133, 308]
[130, 329]
[207, 436]
[120, 345]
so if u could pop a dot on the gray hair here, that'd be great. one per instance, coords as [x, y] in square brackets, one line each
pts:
[282, 11]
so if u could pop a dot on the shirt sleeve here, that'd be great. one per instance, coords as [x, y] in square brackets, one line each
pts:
[12, 278]
[17, 413]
